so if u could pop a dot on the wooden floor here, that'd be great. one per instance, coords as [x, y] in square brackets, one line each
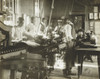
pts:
[90, 71]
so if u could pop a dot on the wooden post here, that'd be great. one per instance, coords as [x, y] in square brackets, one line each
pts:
[86, 19]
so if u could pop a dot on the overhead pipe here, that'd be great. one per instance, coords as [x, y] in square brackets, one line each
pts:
[52, 7]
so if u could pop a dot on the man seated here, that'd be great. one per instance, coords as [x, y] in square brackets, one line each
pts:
[30, 34]
[80, 38]
[80, 41]
[33, 35]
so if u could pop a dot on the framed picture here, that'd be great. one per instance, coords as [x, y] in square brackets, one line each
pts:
[91, 23]
[91, 16]
[95, 8]
[96, 16]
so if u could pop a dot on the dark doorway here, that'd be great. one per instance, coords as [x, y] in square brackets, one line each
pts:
[79, 22]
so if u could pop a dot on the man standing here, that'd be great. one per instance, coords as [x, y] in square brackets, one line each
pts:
[69, 55]
[19, 29]
[58, 27]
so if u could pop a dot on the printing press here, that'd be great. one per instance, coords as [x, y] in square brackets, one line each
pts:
[31, 61]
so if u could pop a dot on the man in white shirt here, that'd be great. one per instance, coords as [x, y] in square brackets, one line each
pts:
[68, 30]
[19, 29]
[31, 28]
[30, 33]
[69, 55]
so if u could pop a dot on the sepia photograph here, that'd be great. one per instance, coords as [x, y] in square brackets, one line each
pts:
[49, 39]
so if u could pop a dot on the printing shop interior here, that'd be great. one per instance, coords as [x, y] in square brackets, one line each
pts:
[49, 39]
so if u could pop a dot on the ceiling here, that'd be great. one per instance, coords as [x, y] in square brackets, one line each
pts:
[88, 2]
[65, 7]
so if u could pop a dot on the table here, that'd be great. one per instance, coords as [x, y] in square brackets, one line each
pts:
[91, 51]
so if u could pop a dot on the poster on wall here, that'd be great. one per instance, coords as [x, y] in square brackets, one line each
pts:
[95, 16]
[91, 23]
[95, 8]
[97, 27]
[91, 16]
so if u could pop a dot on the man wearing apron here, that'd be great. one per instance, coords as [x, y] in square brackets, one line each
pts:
[69, 53]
